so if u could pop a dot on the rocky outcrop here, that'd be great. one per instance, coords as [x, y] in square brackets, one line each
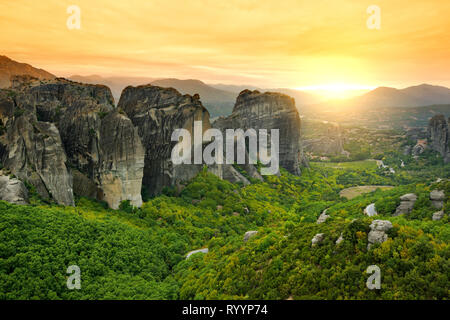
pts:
[12, 190]
[102, 145]
[269, 111]
[437, 198]
[406, 204]
[190, 253]
[438, 215]
[419, 148]
[229, 173]
[249, 234]
[378, 229]
[340, 239]
[157, 112]
[324, 138]
[370, 210]
[438, 136]
[318, 238]
[323, 217]
[33, 151]
[407, 150]
[10, 68]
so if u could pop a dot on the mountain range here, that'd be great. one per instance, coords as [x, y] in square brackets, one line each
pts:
[219, 99]
[415, 96]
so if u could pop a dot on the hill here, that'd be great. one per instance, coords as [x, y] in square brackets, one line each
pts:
[9, 68]
[415, 96]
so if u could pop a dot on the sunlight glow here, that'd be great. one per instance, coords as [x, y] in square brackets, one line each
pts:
[337, 90]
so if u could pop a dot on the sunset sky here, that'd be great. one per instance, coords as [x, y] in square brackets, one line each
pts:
[310, 45]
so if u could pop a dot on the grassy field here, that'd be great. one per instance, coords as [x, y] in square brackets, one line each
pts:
[353, 192]
[364, 164]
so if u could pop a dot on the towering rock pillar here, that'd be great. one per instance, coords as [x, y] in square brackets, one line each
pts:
[438, 135]
[157, 112]
[269, 110]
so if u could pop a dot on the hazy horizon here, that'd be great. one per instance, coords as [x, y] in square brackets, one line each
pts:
[318, 46]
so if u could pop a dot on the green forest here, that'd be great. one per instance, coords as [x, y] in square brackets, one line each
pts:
[140, 253]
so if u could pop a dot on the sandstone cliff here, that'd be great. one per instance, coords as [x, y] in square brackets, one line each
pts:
[438, 136]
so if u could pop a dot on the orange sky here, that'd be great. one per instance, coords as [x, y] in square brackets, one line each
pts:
[279, 43]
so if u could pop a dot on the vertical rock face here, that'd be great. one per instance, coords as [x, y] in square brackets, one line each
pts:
[269, 111]
[102, 145]
[157, 112]
[12, 190]
[31, 149]
[121, 160]
[438, 136]
[318, 238]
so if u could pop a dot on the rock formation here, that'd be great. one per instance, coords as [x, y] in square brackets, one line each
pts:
[324, 138]
[406, 204]
[10, 68]
[340, 239]
[438, 215]
[318, 238]
[378, 229]
[190, 253]
[249, 234]
[229, 173]
[157, 112]
[12, 190]
[419, 148]
[62, 117]
[32, 150]
[370, 210]
[438, 136]
[269, 111]
[323, 217]
[437, 198]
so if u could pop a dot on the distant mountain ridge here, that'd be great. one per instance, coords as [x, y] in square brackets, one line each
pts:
[9, 68]
[415, 96]
[116, 84]
[218, 102]
[219, 99]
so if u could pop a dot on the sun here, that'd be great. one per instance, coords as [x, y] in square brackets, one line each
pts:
[337, 90]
